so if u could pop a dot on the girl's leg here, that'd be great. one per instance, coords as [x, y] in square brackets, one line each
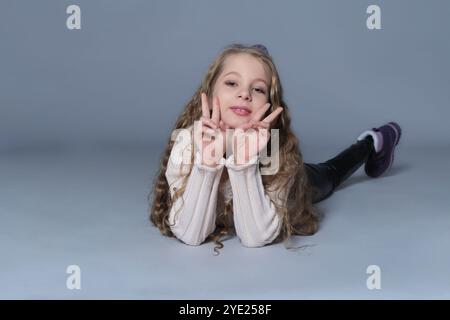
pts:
[325, 177]
[374, 147]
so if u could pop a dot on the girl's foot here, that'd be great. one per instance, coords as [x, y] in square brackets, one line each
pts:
[385, 138]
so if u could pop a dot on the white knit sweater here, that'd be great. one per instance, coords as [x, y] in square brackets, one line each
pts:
[255, 218]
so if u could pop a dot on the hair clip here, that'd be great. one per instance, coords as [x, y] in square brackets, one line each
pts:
[261, 47]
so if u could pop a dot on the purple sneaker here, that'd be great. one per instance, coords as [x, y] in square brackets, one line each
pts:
[385, 138]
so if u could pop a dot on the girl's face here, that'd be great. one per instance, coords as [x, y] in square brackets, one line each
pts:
[242, 88]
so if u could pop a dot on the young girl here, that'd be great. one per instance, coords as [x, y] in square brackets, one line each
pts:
[209, 195]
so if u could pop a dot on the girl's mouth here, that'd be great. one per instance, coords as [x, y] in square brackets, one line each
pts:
[240, 112]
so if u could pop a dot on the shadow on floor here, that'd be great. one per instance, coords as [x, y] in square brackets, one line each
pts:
[396, 170]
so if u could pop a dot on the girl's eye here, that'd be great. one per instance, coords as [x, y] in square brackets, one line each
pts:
[234, 83]
[260, 90]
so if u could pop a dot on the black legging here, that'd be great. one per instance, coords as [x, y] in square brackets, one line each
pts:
[325, 177]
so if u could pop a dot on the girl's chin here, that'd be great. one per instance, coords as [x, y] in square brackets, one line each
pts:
[234, 124]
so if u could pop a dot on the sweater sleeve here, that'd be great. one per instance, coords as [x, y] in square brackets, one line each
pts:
[192, 216]
[255, 217]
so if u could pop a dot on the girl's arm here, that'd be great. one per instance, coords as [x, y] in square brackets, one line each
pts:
[196, 215]
[255, 218]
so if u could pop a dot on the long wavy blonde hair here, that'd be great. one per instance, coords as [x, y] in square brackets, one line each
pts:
[299, 217]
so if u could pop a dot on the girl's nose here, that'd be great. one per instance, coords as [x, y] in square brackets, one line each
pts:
[245, 94]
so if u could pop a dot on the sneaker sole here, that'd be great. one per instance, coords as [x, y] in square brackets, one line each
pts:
[398, 133]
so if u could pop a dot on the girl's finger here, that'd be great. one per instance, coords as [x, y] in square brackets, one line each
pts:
[216, 110]
[262, 124]
[273, 115]
[223, 126]
[208, 132]
[209, 123]
[259, 124]
[263, 136]
[260, 112]
[205, 106]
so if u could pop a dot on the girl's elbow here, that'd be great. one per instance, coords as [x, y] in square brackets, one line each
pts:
[253, 243]
[190, 240]
[260, 241]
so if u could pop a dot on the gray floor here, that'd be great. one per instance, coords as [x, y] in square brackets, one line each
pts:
[88, 208]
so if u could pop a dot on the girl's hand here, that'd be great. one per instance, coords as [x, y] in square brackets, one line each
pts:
[255, 131]
[209, 133]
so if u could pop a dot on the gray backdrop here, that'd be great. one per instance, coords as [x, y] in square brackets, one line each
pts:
[126, 75]
[85, 114]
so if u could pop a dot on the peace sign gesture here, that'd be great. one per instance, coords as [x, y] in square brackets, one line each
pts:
[207, 137]
[257, 138]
